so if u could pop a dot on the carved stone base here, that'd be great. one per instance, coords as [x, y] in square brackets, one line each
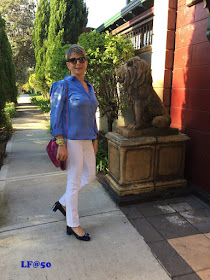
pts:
[131, 188]
[156, 194]
[151, 131]
[145, 164]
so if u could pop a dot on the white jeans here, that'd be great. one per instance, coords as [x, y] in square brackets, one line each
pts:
[81, 170]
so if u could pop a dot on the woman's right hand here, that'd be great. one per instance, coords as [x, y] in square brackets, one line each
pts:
[62, 153]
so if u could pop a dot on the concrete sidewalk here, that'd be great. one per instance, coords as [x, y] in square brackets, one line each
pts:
[31, 232]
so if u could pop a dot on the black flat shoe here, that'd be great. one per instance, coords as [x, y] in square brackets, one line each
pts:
[58, 206]
[85, 237]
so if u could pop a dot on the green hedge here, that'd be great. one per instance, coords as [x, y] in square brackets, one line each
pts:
[42, 102]
[10, 109]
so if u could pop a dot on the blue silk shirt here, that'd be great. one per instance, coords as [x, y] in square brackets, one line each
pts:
[79, 118]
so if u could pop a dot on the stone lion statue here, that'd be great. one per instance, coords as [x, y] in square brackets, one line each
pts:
[148, 109]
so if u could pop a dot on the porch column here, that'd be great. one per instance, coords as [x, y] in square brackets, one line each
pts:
[164, 23]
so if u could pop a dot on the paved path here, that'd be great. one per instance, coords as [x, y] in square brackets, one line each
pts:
[31, 232]
[178, 232]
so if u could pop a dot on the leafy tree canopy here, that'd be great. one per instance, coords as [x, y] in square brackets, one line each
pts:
[105, 53]
[19, 16]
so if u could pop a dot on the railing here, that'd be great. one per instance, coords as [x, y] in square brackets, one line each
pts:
[141, 35]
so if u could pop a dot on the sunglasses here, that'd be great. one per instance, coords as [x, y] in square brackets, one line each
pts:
[74, 60]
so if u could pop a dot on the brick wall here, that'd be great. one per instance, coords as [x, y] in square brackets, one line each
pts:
[190, 95]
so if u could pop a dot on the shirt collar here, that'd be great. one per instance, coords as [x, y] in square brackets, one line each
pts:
[70, 78]
[73, 78]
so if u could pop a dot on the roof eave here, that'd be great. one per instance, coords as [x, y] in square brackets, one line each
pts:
[132, 5]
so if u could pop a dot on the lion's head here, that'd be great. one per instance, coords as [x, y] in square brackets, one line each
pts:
[135, 74]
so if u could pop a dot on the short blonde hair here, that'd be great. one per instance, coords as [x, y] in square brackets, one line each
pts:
[75, 49]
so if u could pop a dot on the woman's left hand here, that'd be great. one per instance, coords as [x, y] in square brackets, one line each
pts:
[95, 146]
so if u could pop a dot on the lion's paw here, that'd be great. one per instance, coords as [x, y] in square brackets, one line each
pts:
[132, 126]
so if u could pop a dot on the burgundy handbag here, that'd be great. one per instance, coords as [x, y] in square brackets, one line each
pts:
[52, 146]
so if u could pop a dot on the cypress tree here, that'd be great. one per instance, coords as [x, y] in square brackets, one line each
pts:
[8, 90]
[40, 35]
[67, 19]
[41, 24]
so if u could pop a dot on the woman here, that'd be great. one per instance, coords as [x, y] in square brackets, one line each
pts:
[74, 120]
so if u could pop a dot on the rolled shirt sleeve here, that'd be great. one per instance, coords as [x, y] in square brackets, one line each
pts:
[58, 96]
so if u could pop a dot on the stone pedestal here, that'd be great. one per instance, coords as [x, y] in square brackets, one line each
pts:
[145, 164]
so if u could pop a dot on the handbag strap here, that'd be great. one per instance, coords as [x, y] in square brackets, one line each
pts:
[66, 111]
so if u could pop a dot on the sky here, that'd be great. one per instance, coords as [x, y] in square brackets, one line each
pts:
[100, 11]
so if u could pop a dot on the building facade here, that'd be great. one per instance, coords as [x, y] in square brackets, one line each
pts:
[172, 36]
[190, 95]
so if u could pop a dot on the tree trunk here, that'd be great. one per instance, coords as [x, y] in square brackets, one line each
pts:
[110, 122]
